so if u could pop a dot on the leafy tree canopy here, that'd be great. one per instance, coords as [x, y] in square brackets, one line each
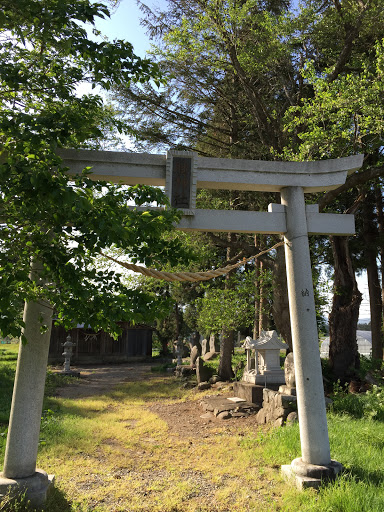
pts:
[46, 216]
[232, 308]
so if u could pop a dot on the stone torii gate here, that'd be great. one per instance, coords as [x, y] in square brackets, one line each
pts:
[181, 173]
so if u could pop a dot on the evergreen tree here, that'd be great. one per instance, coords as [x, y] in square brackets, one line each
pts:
[265, 80]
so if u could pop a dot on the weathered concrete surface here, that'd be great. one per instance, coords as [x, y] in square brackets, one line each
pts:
[309, 382]
[214, 173]
[309, 475]
[35, 487]
[252, 393]
[20, 473]
[219, 404]
[28, 393]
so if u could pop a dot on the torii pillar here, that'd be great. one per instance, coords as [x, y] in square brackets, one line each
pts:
[315, 463]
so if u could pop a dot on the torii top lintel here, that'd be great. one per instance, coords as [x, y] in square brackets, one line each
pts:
[214, 173]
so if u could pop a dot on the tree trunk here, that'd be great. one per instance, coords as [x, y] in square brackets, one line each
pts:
[380, 223]
[164, 346]
[280, 298]
[256, 322]
[263, 317]
[163, 340]
[375, 306]
[228, 337]
[226, 349]
[195, 339]
[370, 251]
[343, 354]
[178, 321]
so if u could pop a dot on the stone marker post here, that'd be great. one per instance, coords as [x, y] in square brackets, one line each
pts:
[315, 463]
[179, 351]
[20, 471]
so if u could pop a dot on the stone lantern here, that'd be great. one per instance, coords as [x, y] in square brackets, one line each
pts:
[264, 367]
[68, 345]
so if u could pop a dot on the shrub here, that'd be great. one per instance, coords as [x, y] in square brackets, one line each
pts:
[365, 405]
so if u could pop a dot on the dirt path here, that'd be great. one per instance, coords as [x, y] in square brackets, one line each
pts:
[101, 379]
[183, 417]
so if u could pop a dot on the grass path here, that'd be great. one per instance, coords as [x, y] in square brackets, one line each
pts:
[110, 452]
[124, 439]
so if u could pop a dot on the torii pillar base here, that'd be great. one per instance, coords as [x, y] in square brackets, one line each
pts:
[35, 487]
[310, 475]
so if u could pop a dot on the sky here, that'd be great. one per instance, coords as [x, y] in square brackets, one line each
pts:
[124, 23]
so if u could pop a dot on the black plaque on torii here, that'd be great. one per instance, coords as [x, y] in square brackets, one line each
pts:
[181, 182]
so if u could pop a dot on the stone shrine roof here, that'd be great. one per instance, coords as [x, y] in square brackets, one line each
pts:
[268, 340]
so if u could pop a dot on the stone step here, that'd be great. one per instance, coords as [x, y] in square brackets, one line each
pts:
[220, 404]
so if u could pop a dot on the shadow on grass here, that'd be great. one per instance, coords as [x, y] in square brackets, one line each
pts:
[7, 376]
[129, 393]
[164, 387]
[373, 477]
[57, 501]
[137, 392]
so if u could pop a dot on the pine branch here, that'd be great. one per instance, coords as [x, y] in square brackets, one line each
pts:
[352, 33]
[356, 179]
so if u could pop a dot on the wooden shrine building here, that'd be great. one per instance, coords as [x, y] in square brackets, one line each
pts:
[134, 344]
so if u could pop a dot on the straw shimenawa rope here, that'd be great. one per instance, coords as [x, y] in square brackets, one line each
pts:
[192, 277]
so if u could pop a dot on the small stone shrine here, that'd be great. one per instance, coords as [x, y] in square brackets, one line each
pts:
[264, 367]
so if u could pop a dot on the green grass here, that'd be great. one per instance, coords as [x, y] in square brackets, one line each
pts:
[87, 439]
[357, 443]
[161, 368]
[356, 432]
[8, 358]
[365, 405]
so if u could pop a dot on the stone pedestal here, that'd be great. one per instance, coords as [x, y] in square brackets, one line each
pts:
[276, 408]
[250, 392]
[35, 487]
[266, 378]
[203, 373]
[311, 475]
[286, 390]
